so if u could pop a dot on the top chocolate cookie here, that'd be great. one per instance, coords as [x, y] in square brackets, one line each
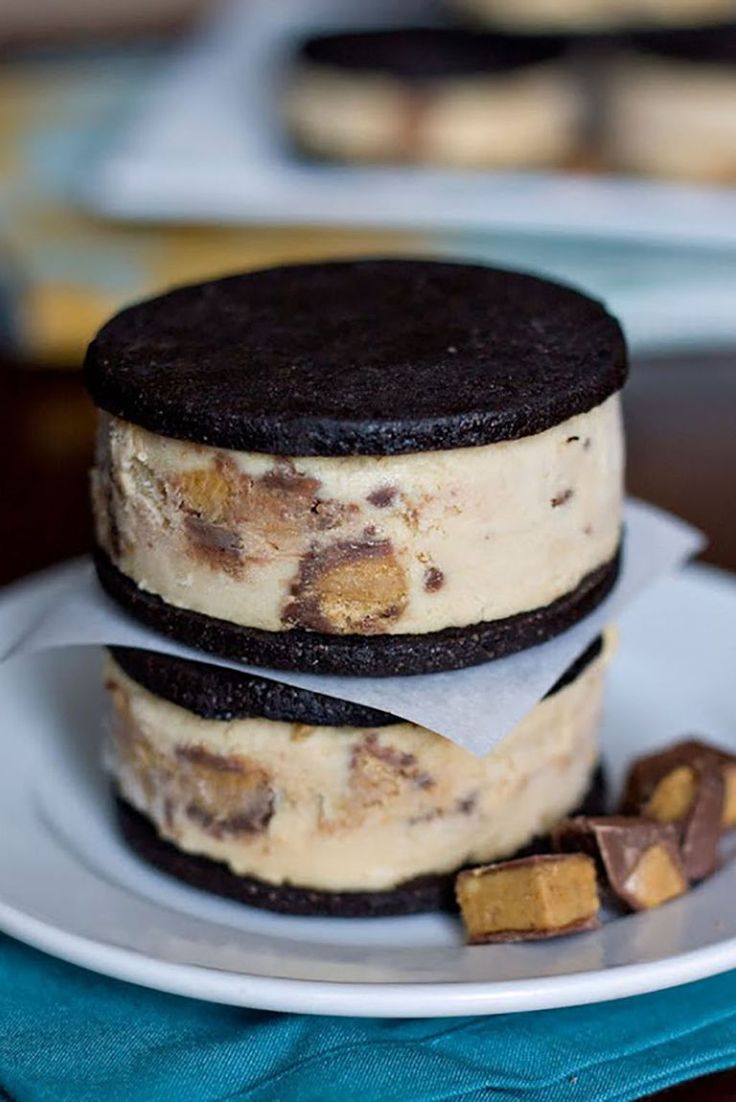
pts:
[370, 357]
[429, 53]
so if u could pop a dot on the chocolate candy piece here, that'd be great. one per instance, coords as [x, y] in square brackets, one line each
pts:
[727, 764]
[684, 785]
[359, 655]
[684, 752]
[701, 827]
[530, 898]
[640, 859]
[645, 773]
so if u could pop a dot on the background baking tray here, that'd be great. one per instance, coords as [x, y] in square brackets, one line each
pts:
[202, 142]
[209, 146]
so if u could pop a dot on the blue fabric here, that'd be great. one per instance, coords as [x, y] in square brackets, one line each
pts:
[68, 1034]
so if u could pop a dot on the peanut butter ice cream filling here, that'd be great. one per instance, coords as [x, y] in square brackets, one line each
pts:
[528, 117]
[348, 809]
[410, 543]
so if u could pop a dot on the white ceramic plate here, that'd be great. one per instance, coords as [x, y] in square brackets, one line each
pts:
[69, 886]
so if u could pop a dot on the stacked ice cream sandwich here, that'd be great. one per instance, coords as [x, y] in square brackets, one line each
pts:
[370, 468]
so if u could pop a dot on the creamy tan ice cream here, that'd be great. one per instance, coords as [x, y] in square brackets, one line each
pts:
[347, 808]
[409, 543]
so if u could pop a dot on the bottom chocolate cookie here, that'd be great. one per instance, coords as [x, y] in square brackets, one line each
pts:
[360, 655]
[424, 893]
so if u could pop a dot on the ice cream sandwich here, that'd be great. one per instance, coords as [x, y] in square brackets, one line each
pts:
[375, 467]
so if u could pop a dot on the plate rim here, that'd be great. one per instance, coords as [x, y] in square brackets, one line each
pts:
[394, 1000]
[383, 999]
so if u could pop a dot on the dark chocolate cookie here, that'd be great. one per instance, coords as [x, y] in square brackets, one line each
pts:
[216, 692]
[420, 54]
[424, 893]
[360, 655]
[369, 357]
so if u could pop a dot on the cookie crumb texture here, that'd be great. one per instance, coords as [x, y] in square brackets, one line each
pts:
[528, 899]
[353, 358]
[656, 877]
[342, 808]
[362, 545]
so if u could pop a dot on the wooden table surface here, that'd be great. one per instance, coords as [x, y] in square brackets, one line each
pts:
[681, 421]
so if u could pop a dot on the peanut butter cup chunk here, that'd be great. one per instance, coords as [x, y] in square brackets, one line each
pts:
[368, 357]
[639, 859]
[683, 785]
[646, 773]
[529, 898]
[363, 467]
[349, 587]
[210, 492]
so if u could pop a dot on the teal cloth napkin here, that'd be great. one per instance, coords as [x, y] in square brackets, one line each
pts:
[68, 1034]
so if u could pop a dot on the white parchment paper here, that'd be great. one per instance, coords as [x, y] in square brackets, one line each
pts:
[475, 708]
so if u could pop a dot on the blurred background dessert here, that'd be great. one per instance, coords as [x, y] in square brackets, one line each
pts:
[671, 105]
[436, 95]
